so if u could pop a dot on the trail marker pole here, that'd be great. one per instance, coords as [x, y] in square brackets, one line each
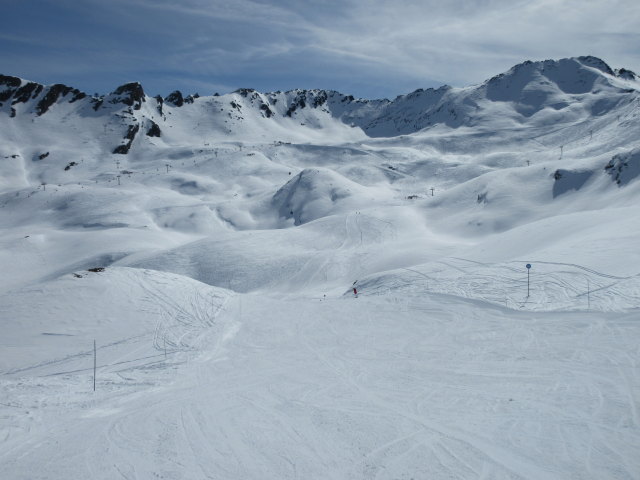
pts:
[167, 165]
[165, 348]
[588, 295]
[528, 269]
[94, 365]
[432, 189]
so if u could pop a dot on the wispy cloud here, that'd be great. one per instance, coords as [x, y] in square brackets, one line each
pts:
[369, 48]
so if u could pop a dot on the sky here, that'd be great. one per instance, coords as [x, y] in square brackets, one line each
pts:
[367, 48]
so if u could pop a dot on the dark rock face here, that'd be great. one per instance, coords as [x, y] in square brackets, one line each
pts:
[13, 112]
[77, 95]
[320, 99]
[42, 156]
[131, 94]
[160, 104]
[97, 103]
[596, 63]
[191, 98]
[26, 92]
[154, 130]
[626, 74]
[244, 92]
[53, 94]
[298, 102]
[175, 98]
[129, 136]
[266, 110]
[13, 82]
[10, 84]
[31, 90]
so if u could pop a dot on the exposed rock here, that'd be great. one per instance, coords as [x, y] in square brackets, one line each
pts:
[97, 102]
[320, 99]
[154, 130]
[129, 136]
[298, 102]
[244, 92]
[10, 84]
[130, 94]
[160, 104]
[42, 156]
[53, 94]
[595, 62]
[191, 98]
[624, 167]
[175, 98]
[626, 74]
[26, 92]
[13, 82]
[266, 110]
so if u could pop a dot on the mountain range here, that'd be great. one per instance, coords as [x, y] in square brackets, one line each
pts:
[305, 284]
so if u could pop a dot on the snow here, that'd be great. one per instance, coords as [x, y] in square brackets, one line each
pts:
[229, 342]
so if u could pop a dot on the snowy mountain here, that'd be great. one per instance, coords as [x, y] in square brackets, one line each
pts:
[210, 246]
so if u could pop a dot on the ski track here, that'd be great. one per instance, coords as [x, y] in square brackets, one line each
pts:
[379, 387]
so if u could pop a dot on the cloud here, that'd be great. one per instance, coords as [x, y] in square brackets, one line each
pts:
[368, 48]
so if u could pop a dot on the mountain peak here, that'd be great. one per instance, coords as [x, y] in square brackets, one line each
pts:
[131, 94]
[595, 62]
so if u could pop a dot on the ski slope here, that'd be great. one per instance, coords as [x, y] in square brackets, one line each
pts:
[214, 265]
[382, 386]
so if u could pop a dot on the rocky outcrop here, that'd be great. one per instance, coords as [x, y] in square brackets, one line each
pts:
[54, 93]
[624, 167]
[154, 130]
[160, 104]
[130, 94]
[175, 98]
[129, 137]
[27, 92]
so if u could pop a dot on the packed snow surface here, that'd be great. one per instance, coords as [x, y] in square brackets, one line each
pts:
[214, 267]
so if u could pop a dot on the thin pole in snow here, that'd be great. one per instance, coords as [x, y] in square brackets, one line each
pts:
[94, 365]
[528, 269]
[588, 295]
[432, 189]
[165, 347]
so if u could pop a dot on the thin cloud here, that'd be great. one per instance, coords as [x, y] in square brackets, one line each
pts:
[370, 48]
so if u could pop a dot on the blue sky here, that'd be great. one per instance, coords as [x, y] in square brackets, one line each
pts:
[368, 48]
